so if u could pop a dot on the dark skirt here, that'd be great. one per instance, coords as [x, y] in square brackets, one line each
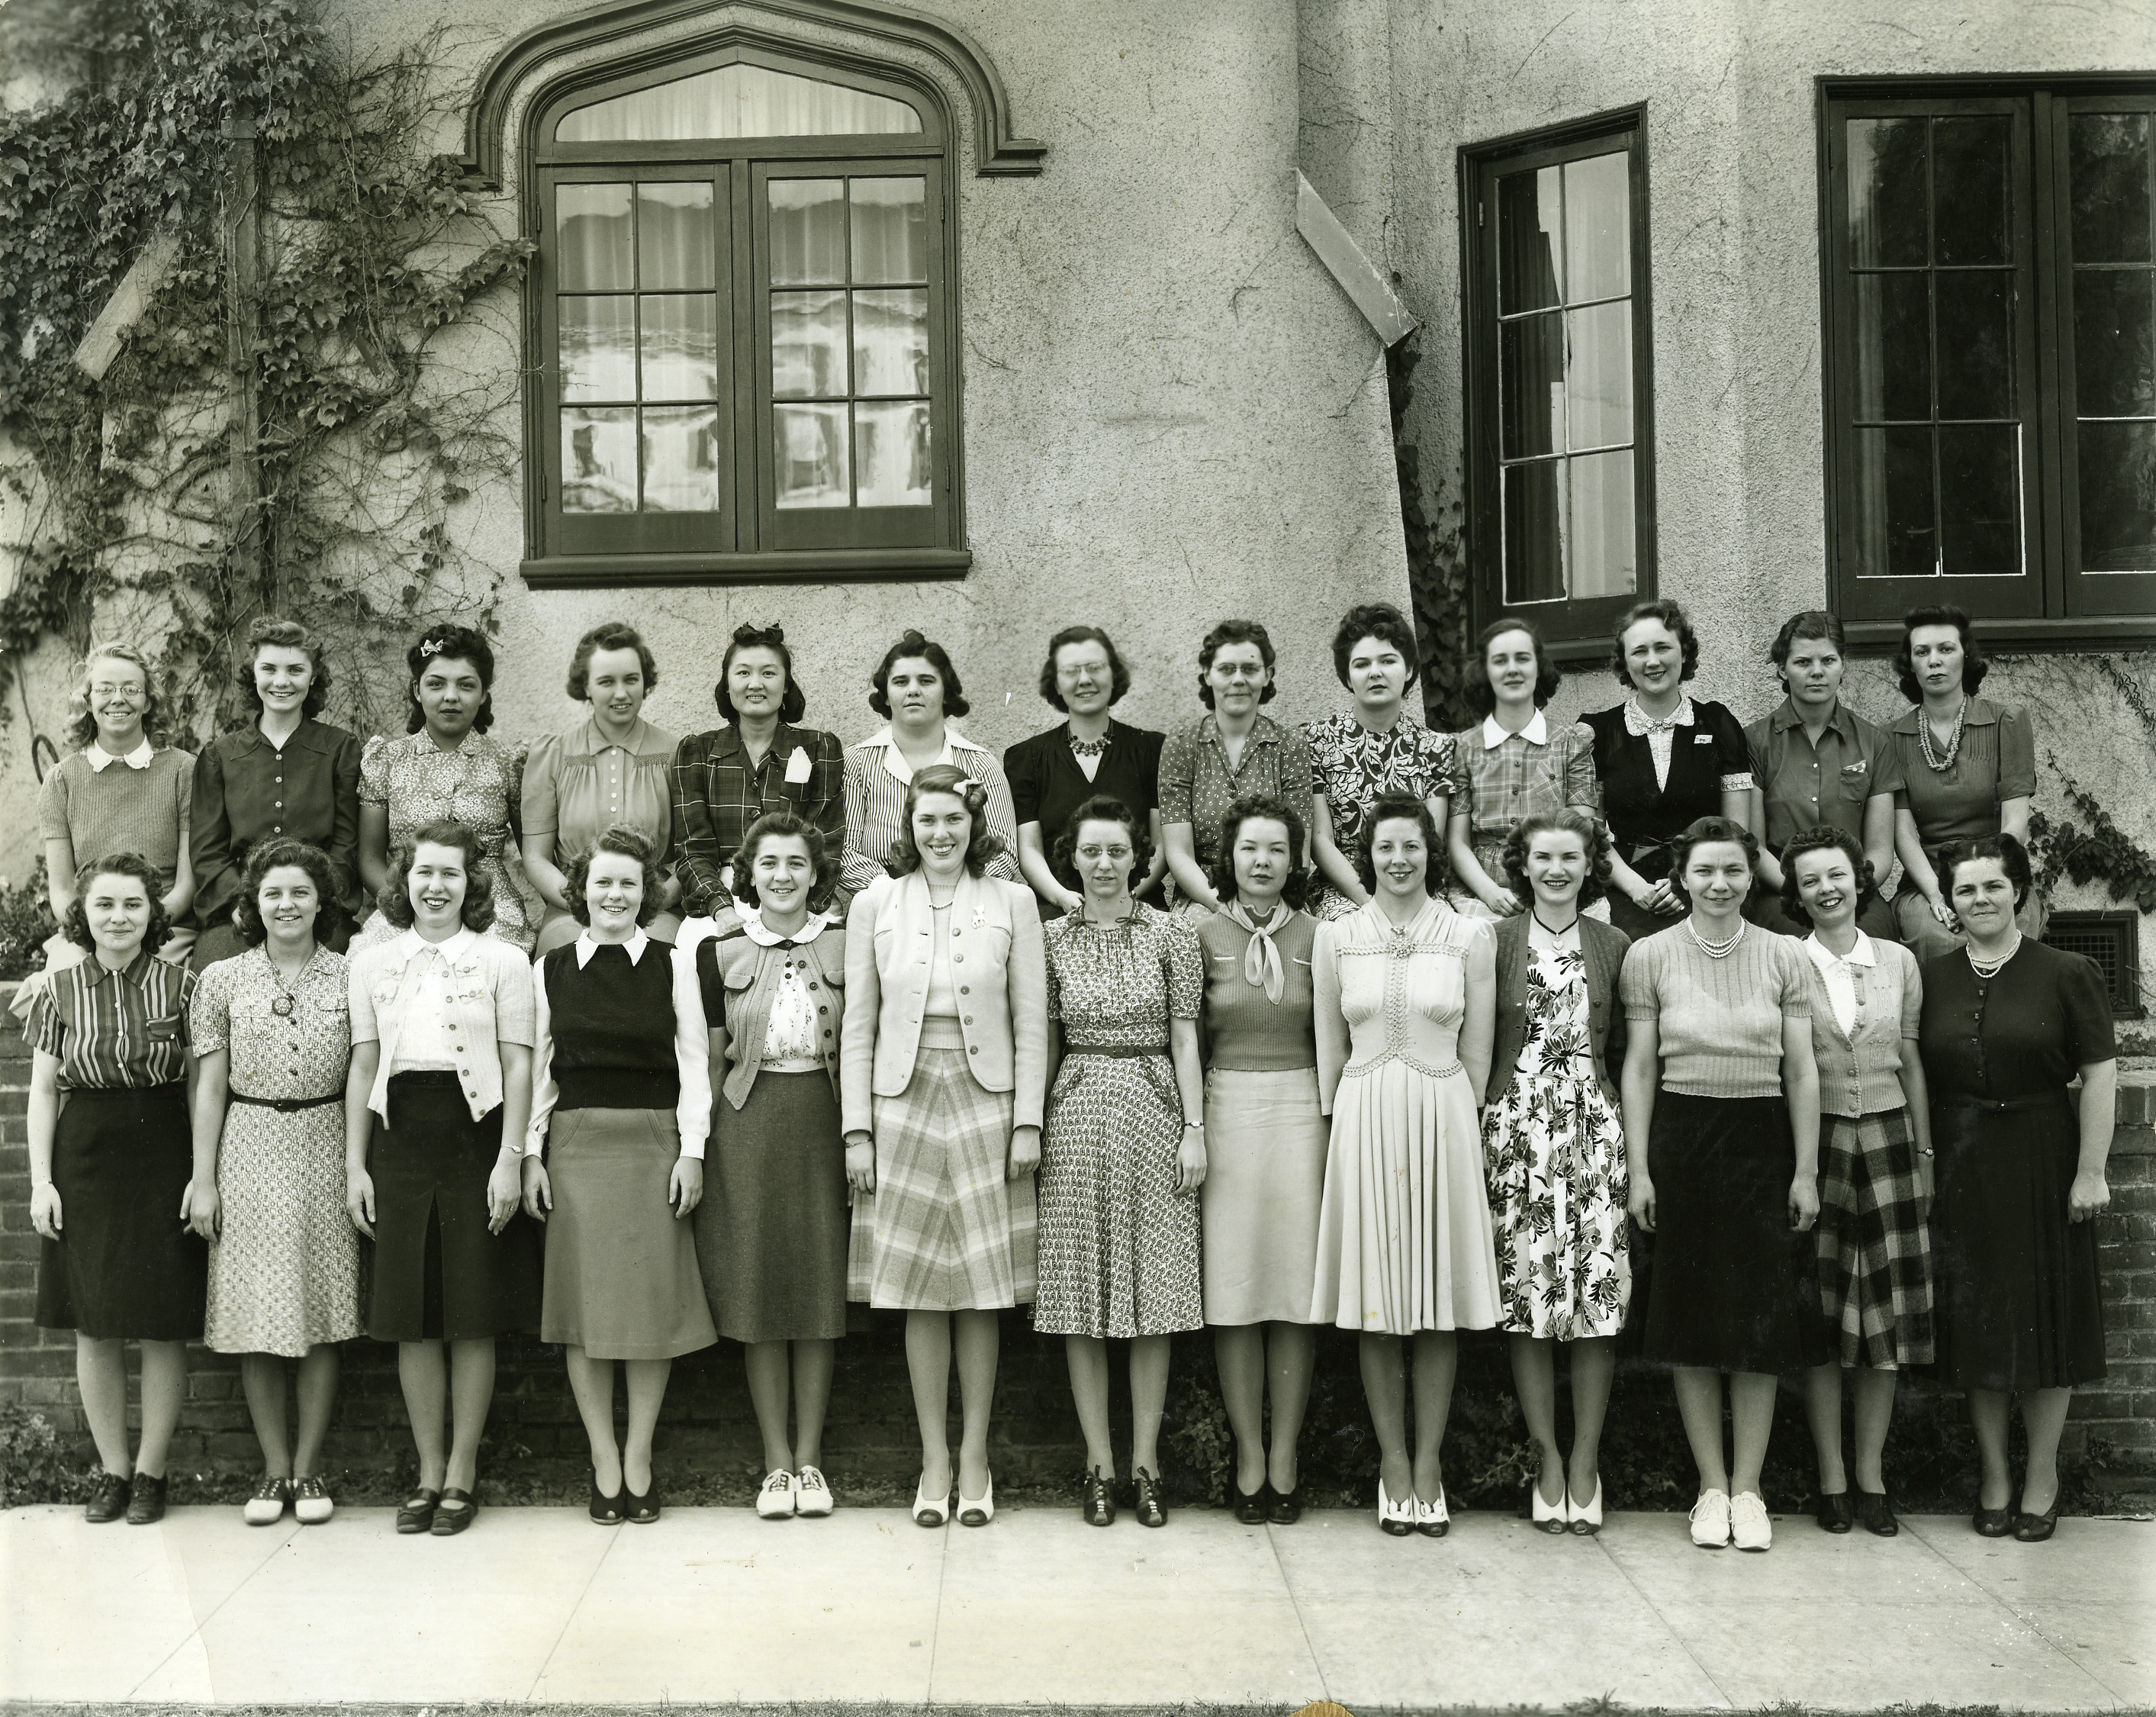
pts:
[771, 1232]
[1729, 1284]
[126, 1266]
[2019, 1300]
[621, 1267]
[438, 1274]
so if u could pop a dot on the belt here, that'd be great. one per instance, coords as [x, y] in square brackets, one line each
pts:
[2000, 1106]
[285, 1105]
[1376, 1062]
[427, 1075]
[1121, 1051]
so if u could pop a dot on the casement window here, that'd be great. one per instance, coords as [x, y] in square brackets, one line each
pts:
[1558, 370]
[1989, 253]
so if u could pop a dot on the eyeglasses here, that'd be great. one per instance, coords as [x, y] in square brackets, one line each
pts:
[110, 689]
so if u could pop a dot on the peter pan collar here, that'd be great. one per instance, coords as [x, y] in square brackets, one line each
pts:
[1536, 732]
[754, 927]
[100, 759]
[1825, 959]
[585, 947]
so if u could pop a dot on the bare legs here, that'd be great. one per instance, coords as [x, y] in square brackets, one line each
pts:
[1384, 1383]
[1752, 1420]
[804, 1369]
[1248, 1362]
[464, 1388]
[100, 1370]
[262, 1375]
[928, 1344]
[2043, 1417]
[1087, 1356]
[1875, 1412]
[1534, 1379]
[592, 1382]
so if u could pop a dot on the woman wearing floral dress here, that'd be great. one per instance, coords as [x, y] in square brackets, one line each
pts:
[1555, 1148]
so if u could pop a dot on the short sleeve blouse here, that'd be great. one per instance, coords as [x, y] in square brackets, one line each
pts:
[1118, 985]
[1996, 762]
[300, 1053]
[1354, 767]
[2025, 1032]
[114, 1030]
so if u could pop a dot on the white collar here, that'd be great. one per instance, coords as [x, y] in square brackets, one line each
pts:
[138, 759]
[585, 947]
[759, 933]
[451, 951]
[1638, 721]
[1536, 732]
[894, 759]
[1863, 955]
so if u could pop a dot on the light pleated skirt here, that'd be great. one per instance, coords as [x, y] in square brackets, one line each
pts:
[1265, 1186]
[1404, 1240]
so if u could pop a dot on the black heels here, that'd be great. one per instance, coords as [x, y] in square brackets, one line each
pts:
[1148, 1507]
[1285, 1508]
[1877, 1514]
[1096, 1501]
[1836, 1513]
[606, 1510]
[1255, 1507]
[2035, 1528]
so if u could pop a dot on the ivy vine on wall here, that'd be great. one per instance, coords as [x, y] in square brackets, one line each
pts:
[2102, 852]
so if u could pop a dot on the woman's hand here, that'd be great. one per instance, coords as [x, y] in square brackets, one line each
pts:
[1071, 902]
[45, 1210]
[1190, 1160]
[359, 1200]
[860, 1162]
[538, 1189]
[1640, 1203]
[2089, 1194]
[684, 1188]
[1024, 1152]
[203, 1208]
[1803, 1202]
[505, 1190]
[1944, 912]
[1502, 902]
[1663, 900]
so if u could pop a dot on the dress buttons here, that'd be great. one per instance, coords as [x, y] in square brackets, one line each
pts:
[957, 959]
[972, 1050]
[965, 990]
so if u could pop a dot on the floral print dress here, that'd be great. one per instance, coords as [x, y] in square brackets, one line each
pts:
[1353, 767]
[1555, 1152]
[478, 784]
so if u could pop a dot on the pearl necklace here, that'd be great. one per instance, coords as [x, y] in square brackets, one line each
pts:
[1716, 950]
[1954, 744]
[1989, 968]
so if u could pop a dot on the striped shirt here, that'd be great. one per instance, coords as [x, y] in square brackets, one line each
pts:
[877, 776]
[115, 1030]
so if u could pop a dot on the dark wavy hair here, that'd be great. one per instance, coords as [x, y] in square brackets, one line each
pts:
[1594, 837]
[793, 703]
[1235, 632]
[1119, 676]
[156, 705]
[76, 926]
[267, 855]
[1380, 620]
[1823, 838]
[1672, 615]
[1261, 807]
[1477, 691]
[609, 635]
[823, 860]
[1813, 623]
[395, 898]
[447, 642]
[2013, 858]
[1974, 664]
[268, 632]
[1105, 807]
[1403, 808]
[623, 842]
[986, 845]
[910, 647]
[1705, 831]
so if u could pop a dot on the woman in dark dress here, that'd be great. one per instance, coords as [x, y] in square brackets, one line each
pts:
[2019, 1310]
[1664, 759]
[1052, 773]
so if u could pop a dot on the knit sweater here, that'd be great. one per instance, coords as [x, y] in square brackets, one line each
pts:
[1718, 1022]
[121, 809]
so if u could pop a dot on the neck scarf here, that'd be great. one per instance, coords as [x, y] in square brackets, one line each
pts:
[1262, 958]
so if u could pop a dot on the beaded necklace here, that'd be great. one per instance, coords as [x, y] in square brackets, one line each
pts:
[1936, 763]
[1989, 968]
[1716, 950]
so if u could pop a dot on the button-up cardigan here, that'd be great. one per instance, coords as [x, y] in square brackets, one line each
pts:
[1604, 946]
[491, 1004]
[1863, 1075]
[751, 971]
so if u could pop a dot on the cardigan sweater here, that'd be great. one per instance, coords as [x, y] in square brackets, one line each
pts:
[1604, 946]
[1860, 1070]
[747, 973]
[1718, 1021]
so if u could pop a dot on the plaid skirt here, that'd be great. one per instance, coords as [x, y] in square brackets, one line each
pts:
[1875, 1252]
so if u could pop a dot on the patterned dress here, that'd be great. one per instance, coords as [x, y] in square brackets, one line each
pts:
[476, 784]
[283, 1274]
[1555, 1153]
[1351, 767]
[1119, 1251]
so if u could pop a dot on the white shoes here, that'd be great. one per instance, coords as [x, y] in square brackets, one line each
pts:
[311, 1501]
[1585, 1519]
[776, 1500]
[977, 1511]
[1395, 1519]
[1432, 1520]
[1550, 1517]
[1710, 1520]
[266, 1506]
[811, 1496]
[930, 1511]
[1749, 1528]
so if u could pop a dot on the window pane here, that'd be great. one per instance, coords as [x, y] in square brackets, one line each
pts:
[1980, 498]
[739, 100]
[1598, 230]
[808, 232]
[592, 238]
[2108, 155]
[676, 239]
[808, 344]
[1893, 347]
[681, 346]
[1895, 533]
[890, 230]
[891, 443]
[1534, 532]
[1969, 190]
[2117, 465]
[1529, 264]
[1599, 378]
[2114, 368]
[1604, 545]
[1531, 386]
[810, 452]
[681, 458]
[1976, 344]
[1887, 166]
[891, 342]
[599, 460]
[598, 348]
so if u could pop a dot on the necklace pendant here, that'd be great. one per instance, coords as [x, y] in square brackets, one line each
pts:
[282, 1007]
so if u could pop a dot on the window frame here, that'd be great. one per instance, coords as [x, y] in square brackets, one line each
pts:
[1575, 629]
[2055, 607]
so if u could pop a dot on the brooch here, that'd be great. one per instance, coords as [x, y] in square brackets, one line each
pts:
[980, 916]
[282, 1007]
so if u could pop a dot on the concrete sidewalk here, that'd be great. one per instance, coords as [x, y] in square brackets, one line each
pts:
[714, 1605]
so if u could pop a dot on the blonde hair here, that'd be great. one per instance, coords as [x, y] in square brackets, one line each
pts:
[82, 728]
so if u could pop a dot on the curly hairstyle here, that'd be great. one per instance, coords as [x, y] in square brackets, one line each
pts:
[1477, 691]
[1593, 840]
[395, 898]
[608, 635]
[793, 703]
[1380, 620]
[267, 855]
[823, 859]
[1814, 623]
[82, 727]
[1119, 676]
[1260, 807]
[1672, 615]
[622, 841]
[445, 641]
[269, 632]
[1824, 838]
[1974, 664]
[1403, 808]
[912, 646]
[1104, 808]
[981, 850]
[2012, 856]
[76, 926]
[1235, 632]
[1705, 831]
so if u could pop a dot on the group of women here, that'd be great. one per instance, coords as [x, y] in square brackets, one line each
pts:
[1591, 1034]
